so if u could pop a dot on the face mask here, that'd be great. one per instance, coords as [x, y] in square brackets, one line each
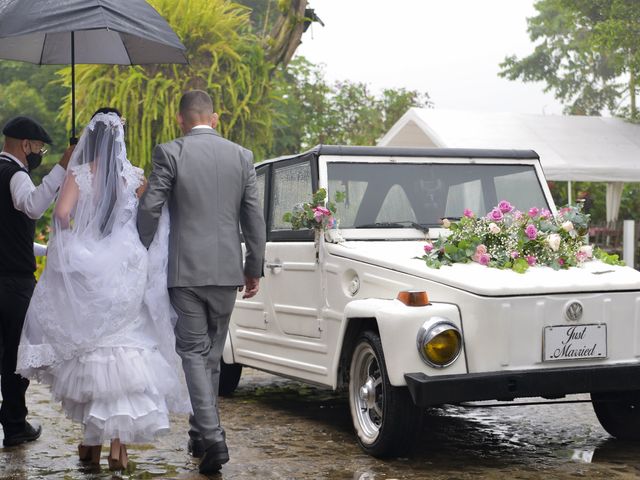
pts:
[34, 160]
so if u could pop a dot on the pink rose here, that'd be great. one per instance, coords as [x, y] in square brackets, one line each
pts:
[428, 247]
[505, 207]
[561, 261]
[484, 259]
[319, 212]
[495, 215]
[468, 213]
[531, 231]
[533, 212]
[581, 256]
[531, 260]
[481, 251]
[514, 254]
[545, 214]
[517, 215]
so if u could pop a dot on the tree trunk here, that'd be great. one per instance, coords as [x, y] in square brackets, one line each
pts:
[287, 33]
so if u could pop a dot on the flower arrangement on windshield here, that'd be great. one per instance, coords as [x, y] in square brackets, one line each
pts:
[318, 214]
[507, 238]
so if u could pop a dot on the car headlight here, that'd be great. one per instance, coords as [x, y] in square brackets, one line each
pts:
[439, 342]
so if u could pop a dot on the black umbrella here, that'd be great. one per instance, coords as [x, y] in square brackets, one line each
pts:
[62, 32]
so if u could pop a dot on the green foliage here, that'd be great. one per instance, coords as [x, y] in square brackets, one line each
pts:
[27, 89]
[226, 59]
[311, 111]
[588, 54]
[609, 259]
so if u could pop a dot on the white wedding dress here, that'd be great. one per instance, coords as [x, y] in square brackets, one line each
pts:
[99, 329]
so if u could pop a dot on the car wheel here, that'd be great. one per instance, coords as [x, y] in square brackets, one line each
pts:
[618, 413]
[229, 378]
[385, 418]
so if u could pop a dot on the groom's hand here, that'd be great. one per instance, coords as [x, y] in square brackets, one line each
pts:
[251, 287]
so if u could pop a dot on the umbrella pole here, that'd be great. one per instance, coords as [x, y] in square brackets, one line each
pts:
[73, 139]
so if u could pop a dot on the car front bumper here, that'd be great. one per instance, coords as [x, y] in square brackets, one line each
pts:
[428, 391]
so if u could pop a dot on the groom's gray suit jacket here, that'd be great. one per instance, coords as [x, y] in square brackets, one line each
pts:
[210, 184]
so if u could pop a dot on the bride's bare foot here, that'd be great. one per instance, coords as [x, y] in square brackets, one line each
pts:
[118, 458]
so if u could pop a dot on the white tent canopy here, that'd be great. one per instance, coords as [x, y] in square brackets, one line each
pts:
[571, 148]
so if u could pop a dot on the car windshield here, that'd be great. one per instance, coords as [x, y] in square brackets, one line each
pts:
[410, 195]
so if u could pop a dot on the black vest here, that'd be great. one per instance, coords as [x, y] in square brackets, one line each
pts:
[16, 230]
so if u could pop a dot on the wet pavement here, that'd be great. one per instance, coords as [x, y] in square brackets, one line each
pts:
[280, 429]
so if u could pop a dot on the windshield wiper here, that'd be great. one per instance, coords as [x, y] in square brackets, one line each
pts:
[402, 224]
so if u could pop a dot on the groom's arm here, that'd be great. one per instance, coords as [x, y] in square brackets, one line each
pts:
[158, 190]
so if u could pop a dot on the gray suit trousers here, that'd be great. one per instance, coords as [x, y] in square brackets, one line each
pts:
[201, 331]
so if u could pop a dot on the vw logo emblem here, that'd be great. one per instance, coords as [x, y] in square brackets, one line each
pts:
[573, 311]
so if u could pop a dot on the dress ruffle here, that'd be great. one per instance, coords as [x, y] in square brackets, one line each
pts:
[115, 392]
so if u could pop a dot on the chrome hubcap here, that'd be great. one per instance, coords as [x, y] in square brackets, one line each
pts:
[366, 393]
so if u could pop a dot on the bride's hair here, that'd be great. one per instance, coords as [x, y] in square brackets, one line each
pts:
[107, 110]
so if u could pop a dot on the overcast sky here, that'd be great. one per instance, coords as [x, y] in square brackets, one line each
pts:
[448, 48]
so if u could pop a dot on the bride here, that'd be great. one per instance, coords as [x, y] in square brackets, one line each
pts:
[99, 329]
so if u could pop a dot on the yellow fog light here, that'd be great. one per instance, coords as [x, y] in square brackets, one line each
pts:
[439, 342]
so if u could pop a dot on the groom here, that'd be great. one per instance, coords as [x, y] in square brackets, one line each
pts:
[210, 184]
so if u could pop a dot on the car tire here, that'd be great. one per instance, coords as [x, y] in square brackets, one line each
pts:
[229, 378]
[385, 418]
[618, 413]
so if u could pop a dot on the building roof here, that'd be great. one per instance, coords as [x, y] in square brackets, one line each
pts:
[580, 148]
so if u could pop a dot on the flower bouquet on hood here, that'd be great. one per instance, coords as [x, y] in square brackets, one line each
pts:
[507, 238]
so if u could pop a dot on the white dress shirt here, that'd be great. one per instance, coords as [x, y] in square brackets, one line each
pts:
[29, 199]
[202, 126]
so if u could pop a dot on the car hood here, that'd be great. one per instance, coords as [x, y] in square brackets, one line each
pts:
[593, 276]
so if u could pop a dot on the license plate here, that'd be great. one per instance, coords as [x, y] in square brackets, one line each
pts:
[574, 342]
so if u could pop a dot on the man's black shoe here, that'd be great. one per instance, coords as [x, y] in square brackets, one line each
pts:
[214, 456]
[29, 434]
[195, 447]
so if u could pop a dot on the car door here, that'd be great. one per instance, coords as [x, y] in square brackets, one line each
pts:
[293, 277]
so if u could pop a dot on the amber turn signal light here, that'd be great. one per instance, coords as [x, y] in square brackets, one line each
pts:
[414, 298]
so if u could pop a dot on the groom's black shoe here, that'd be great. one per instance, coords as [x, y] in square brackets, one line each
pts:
[195, 447]
[214, 456]
[29, 434]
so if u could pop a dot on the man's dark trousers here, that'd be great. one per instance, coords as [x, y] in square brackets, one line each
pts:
[15, 294]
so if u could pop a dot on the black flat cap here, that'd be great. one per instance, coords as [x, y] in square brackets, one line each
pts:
[25, 128]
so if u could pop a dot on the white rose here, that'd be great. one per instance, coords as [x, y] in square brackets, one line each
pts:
[587, 250]
[446, 223]
[554, 241]
[493, 228]
[567, 226]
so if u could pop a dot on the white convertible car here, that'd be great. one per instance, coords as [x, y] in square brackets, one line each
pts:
[358, 311]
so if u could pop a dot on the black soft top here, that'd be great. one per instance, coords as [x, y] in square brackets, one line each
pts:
[356, 151]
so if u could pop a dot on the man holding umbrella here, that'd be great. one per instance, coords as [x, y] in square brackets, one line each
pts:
[21, 203]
